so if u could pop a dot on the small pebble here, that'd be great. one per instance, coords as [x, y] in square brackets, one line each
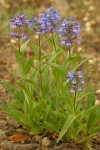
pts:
[97, 103]
[98, 91]
[92, 8]
[45, 141]
[38, 138]
[91, 61]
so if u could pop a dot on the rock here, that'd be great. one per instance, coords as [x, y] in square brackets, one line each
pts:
[38, 138]
[35, 139]
[98, 91]
[91, 61]
[46, 141]
[97, 102]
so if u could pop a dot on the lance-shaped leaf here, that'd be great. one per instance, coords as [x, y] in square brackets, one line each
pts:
[66, 126]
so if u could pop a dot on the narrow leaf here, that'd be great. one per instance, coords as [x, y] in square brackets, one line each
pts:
[23, 47]
[66, 126]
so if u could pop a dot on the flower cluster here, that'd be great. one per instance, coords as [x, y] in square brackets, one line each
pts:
[17, 36]
[69, 31]
[32, 22]
[47, 22]
[18, 21]
[75, 79]
[50, 22]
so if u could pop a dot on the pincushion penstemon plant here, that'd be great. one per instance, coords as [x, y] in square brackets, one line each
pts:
[51, 93]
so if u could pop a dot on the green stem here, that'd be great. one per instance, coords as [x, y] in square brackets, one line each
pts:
[19, 46]
[55, 48]
[89, 146]
[39, 47]
[54, 41]
[40, 66]
[75, 103]
[75, 111]
[69, 51]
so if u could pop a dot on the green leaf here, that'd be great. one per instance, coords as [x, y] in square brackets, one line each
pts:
[12, 90]
[50, 126]
[4, 108]
[23, 47]
[47, 111]
[49, 39]
[26, 92]
[28, 65]
[21, 61]
[59, 114]
[34, 131]
[12, 112]
[45, 56]
[91, 98]
[68, 123]
[58, 67]
[94, 119]
[15, 114]
[45, 81]
[54, 56]
[77, 66]
[74, 59]
[89, 146]
[35, 49]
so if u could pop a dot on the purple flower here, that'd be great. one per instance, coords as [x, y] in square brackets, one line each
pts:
[63, 42]
[14, 35]
[68, 79]
[47, 22]
[23, 16]
[17, 36]
[66, 42]
[75, 81]
[24, 37]
[71, 74]
[48, 10]
[69, 31]
[82, 81]
[79, 88]
[72, 90]
[18, 21]
[32, 22]
[80, 74]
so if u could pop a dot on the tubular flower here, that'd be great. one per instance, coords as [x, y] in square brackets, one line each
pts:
[47, 22]
[17, 36]
[69, 32]
[75, 81]
[14, 35]
[18, 21]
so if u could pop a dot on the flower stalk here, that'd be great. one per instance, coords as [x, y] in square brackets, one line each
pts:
[69, 50]
[53, 41]
[19, 46]
[40, 76]
[75, 102]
